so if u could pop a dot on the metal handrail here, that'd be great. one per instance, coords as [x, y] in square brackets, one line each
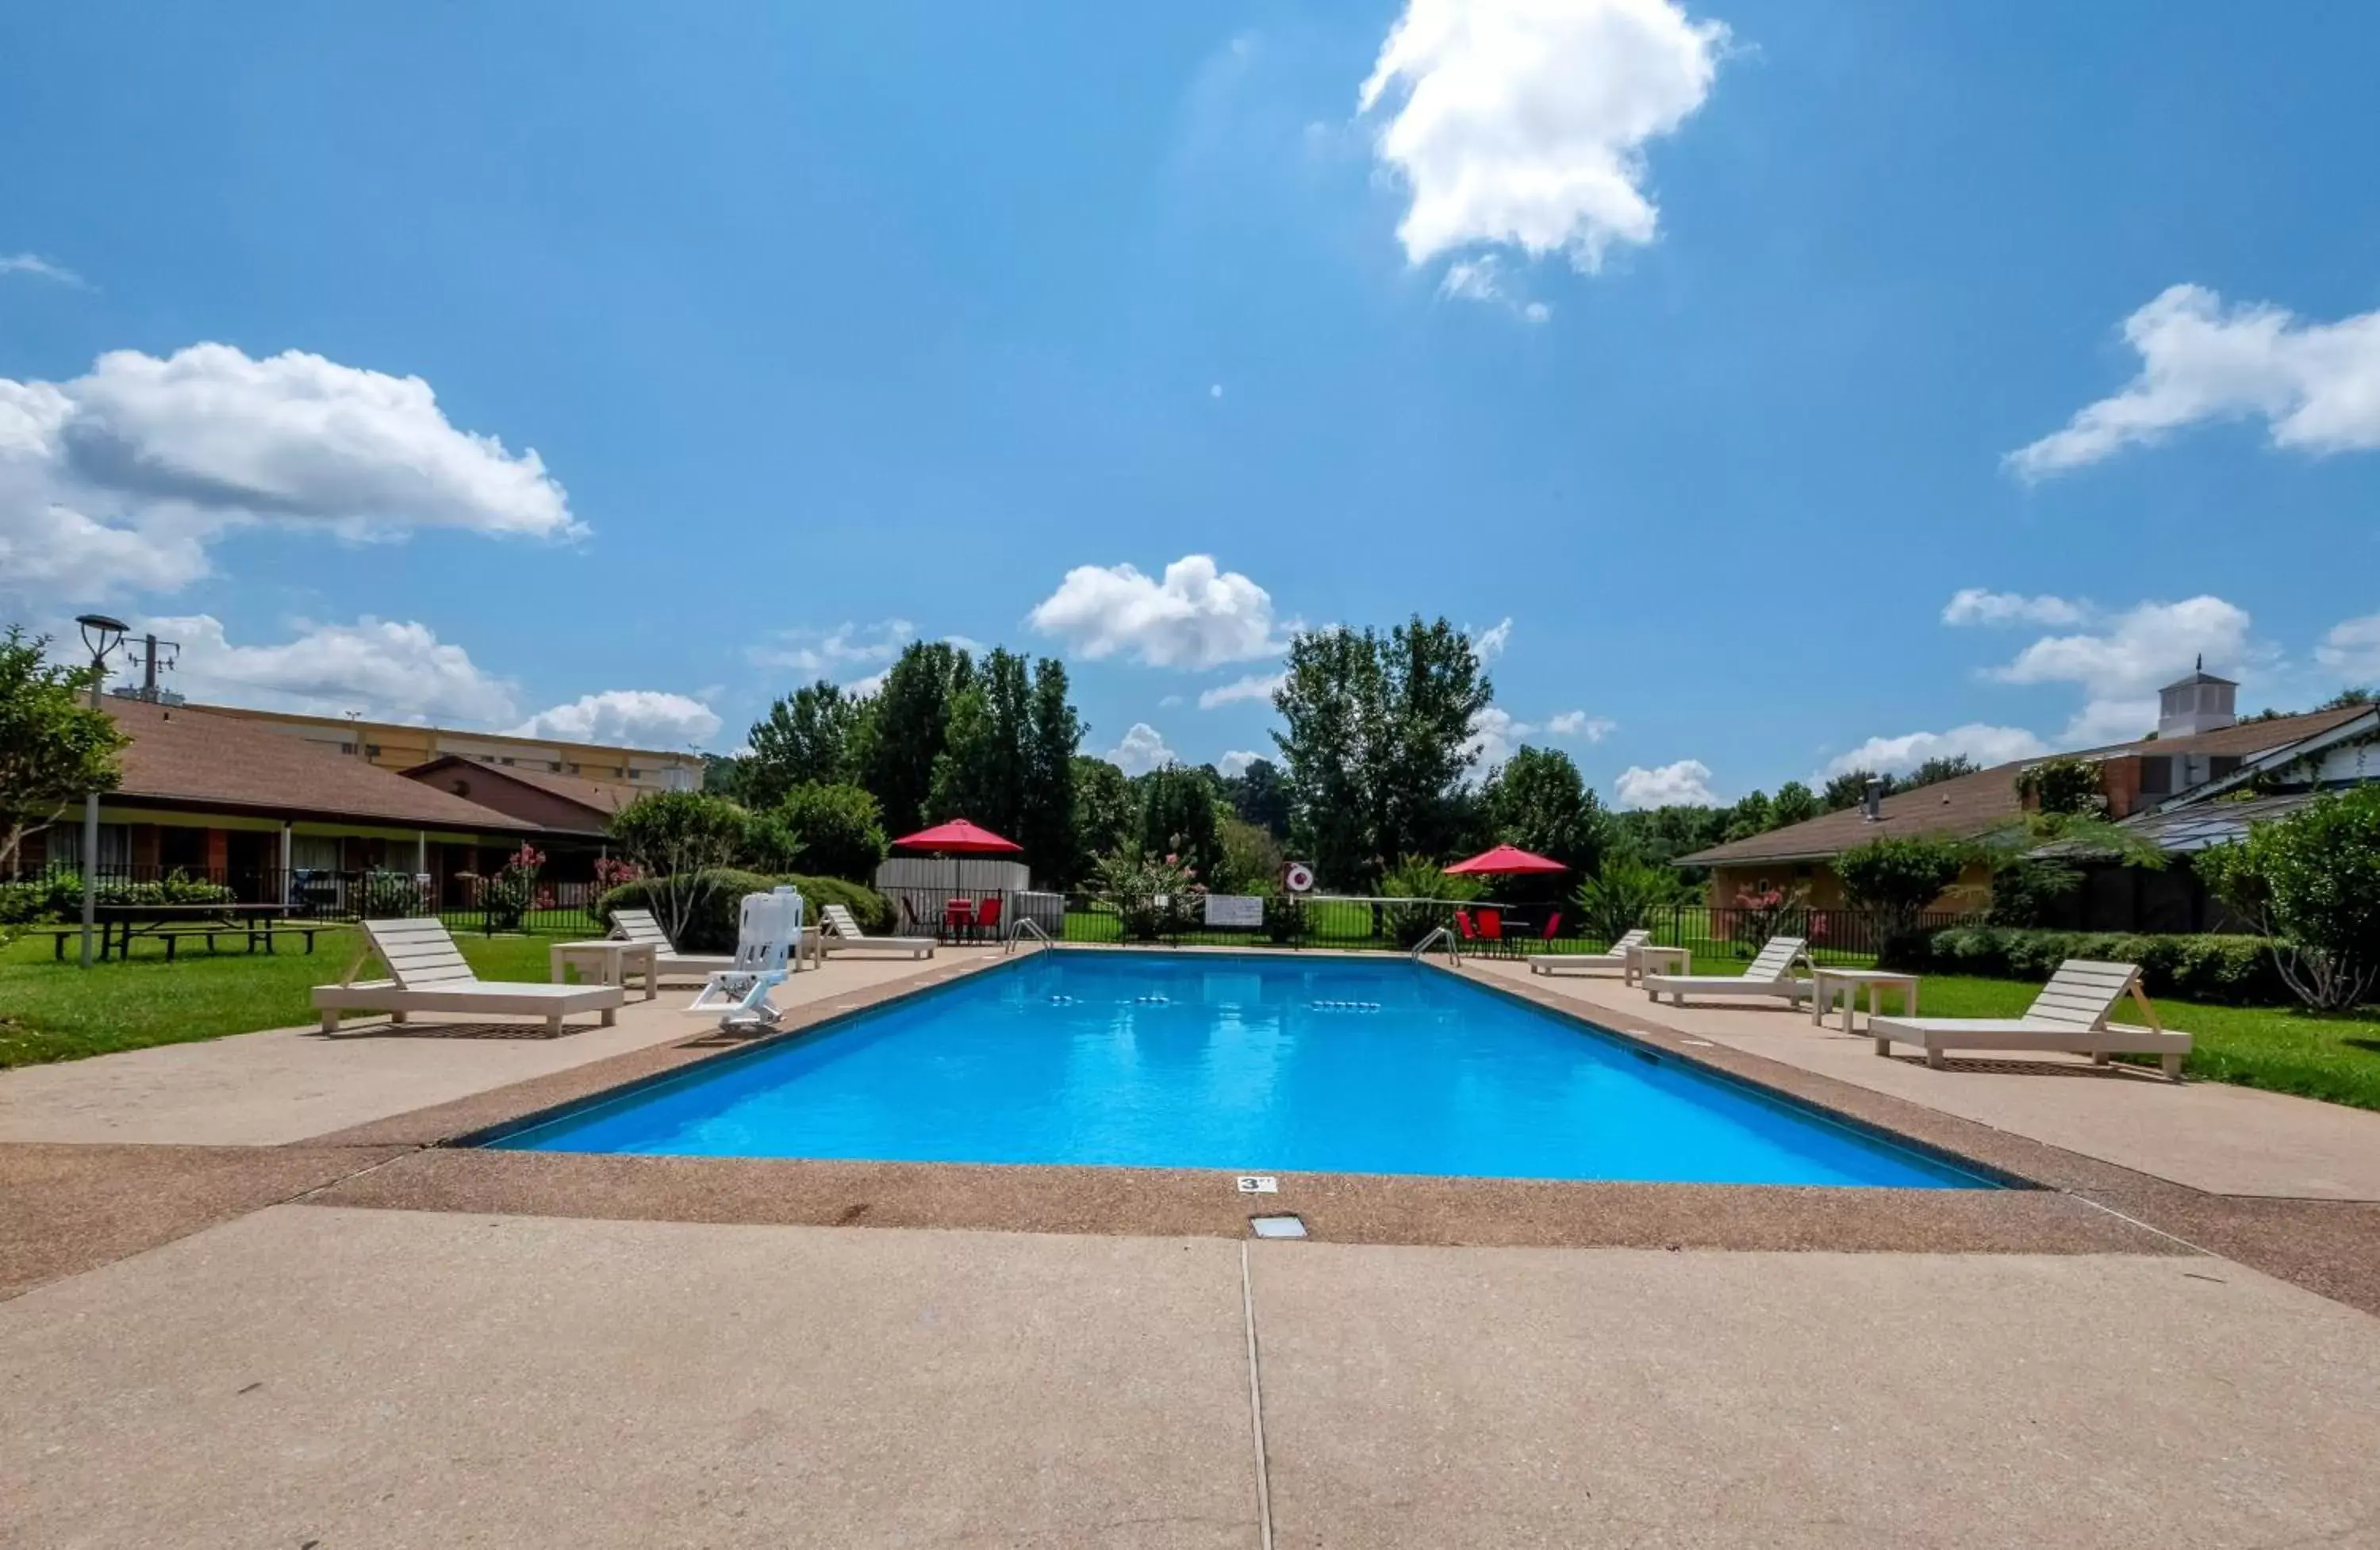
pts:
[1454, 949]
[1024, 924]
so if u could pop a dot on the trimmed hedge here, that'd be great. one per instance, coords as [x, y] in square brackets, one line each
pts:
[58, 896]
[2225, 971]
[713, 929]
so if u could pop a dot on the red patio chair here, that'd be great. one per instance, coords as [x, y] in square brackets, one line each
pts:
[1553, 924]
[1491, 929]
[987, 914]
[956, 913]
[1462, 925]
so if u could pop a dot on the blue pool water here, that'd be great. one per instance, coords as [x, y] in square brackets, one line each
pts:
[1262, 1062]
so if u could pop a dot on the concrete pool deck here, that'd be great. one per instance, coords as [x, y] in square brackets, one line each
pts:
[307, 1376]
[335, 1332]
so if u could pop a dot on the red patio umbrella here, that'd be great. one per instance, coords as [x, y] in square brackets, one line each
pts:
[959, 837]
[1503, 861]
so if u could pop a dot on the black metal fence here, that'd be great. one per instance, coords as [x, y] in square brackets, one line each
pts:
[485, 904]
[1478, 926]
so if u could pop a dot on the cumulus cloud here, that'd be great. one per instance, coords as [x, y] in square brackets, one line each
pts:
[1496, 733]
[1235, 763]
[119, 480]
[2120, 666]
[1193, 616]
[630, 718]
[1260, 687]
[2351, 648]
[1142, 750]
[41, 267]
[1683, 785]
[1976, 605]
[1489, 642]
[2315, 385]
[388, 669]
[1578, 724]
[1988, 745]
[829, 653]
[1522, 123]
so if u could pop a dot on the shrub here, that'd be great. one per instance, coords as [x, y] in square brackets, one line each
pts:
[1153, 895]
[2313, 880]
[840, 829]
[1419, 877]
[384, 894]
[1624, 896]
[769, 844]
[2064, 785]
[1893, 881]
[711, 927]
[678, 839]
[2224, 970]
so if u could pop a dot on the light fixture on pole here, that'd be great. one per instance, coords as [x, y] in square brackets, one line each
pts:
[102, 635]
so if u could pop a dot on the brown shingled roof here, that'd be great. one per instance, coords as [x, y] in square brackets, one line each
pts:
[596, 799]
[1975, 805]
[192, 759]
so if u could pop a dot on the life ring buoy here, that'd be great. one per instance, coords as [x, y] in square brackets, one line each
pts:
[1298, 877]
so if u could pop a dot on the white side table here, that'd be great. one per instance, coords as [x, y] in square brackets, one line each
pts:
[606, 962]
[1645, 958]
[1826, 983]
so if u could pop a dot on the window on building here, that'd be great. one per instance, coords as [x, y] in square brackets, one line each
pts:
[314, 853]
[66, 845]
[2156, 777]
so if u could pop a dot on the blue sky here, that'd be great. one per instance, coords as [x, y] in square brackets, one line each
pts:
[1798, 380]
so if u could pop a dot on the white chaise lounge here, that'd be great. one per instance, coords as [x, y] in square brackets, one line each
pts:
[1771, 974]
[844, 935]
[643, 925]
[1614, 957]
[427, 974]
[2069, 1016]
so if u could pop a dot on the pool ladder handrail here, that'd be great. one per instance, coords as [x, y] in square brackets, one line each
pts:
[1024, 924]
[1453, 949]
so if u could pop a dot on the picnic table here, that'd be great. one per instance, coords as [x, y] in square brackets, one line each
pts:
[119, 923]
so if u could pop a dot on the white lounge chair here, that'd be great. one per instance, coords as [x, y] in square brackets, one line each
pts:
[2070, 1015]
[643, 925]
[1771, 974]
[768, 927]
[844, 935]
[1613, 957]
[427, 974]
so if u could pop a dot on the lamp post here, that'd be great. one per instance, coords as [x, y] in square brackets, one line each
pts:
[102, 634]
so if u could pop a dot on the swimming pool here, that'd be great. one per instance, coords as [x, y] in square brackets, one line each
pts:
[1257, 1062]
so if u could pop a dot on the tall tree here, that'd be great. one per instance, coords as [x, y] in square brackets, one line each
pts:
[1850, 789]
[1536, 800]
[1259, 795]
[1045, 823]
[53, 746]
[1937, 769]
[804, 740]
[908, 728]
[1333, 702]
[1104, 816]
[1434, 688]
[1794, 803]
[1178, 818]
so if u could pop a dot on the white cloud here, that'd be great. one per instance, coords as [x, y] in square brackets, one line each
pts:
[1142, 750]
[1235, 763]
[2315, 385]
[2121, 666]
[825, 653]
[1578, 724]
[1483, 279]
[389, 670]
[1522, 123]
[864, 687]
[1976, 605]
[42, 268]
[1489, 642]
[1988, 745]
[1683, 785]
[119, 480]
[627, 717]
[2351, 649]
[1256, 685]
[1195, 616]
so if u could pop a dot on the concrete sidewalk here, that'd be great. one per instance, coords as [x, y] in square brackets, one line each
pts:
[2208, 1136]
[288, 1084]
[536, 1382]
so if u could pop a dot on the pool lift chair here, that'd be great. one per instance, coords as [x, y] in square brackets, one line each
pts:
[766, 929]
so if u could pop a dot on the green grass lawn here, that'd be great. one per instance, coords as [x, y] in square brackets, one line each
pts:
[62, 1011]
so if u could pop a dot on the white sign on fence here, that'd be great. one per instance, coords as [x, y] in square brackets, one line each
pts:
[1234, 908]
